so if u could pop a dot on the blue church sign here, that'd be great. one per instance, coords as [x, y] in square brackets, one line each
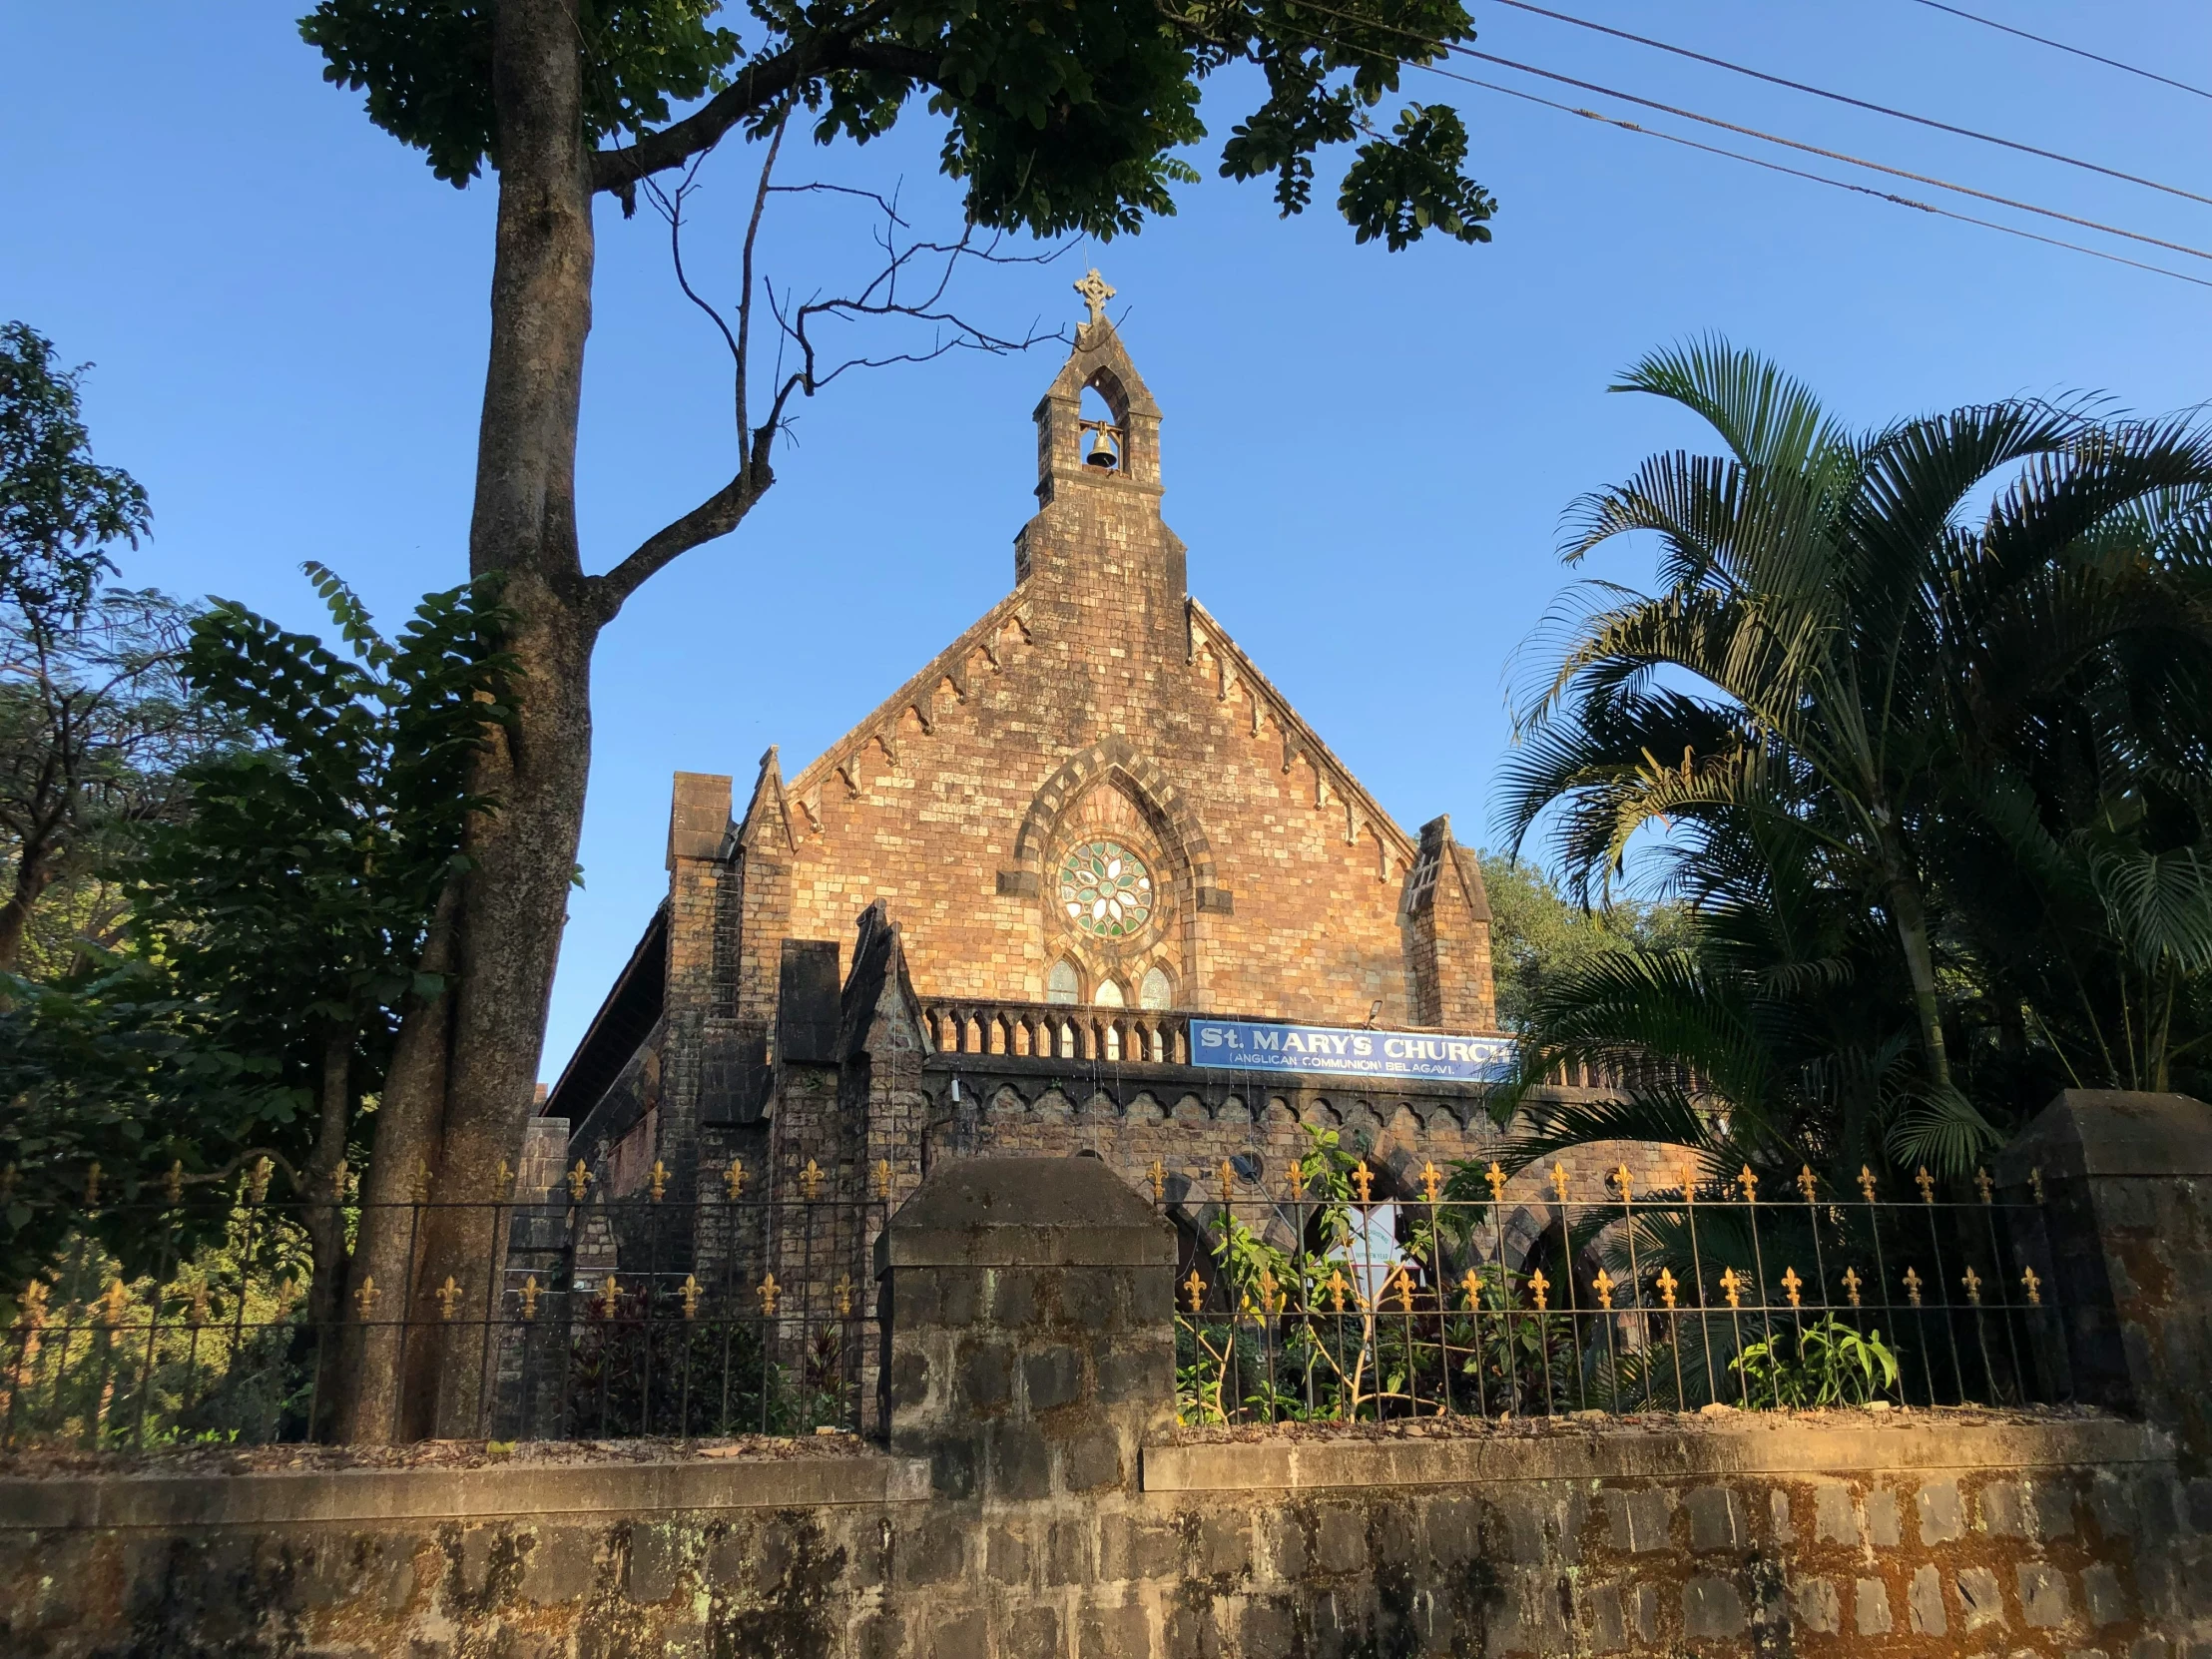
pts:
[1247, 1045]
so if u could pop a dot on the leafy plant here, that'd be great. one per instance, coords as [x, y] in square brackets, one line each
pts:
[1825, 1364]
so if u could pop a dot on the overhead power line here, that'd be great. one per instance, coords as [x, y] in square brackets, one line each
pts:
[1854, 102]
[1816, 178]
[1786, 142]
[2059, 45]
[1829, 154]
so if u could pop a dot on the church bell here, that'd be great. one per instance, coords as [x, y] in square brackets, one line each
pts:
[1102, 455]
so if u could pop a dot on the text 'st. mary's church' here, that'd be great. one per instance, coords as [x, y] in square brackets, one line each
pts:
[1087, 818]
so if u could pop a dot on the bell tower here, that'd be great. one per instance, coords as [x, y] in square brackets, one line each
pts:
[1098, 478]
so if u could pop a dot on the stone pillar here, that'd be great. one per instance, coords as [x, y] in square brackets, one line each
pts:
[1032, 1336]
[2127, 1211]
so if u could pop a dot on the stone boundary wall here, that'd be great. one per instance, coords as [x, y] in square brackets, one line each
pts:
[1829, 1533]
[1037, 1502]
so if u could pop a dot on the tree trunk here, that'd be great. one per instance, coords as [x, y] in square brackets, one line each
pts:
[1910, 923]
[34, 873]
[322, 1208]
[379, 1291]
[522, 855]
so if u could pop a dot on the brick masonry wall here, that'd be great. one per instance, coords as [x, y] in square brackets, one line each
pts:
[1280, 881]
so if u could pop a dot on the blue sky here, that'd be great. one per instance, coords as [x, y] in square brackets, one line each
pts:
[1367, 453]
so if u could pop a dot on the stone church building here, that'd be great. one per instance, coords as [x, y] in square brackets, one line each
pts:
[985, 917]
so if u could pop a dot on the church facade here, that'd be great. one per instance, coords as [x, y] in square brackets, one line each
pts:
[988, 916]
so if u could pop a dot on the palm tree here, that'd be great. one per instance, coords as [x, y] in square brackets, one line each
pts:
[1884, 658]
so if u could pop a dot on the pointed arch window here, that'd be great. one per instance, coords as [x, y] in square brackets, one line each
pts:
[1064, 984]
[1156, 990]
[1109, 995]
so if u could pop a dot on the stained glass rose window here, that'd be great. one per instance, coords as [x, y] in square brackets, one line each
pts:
[1105, 889]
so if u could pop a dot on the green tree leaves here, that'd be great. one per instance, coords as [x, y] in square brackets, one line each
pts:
[1061, 117]
[426, 66]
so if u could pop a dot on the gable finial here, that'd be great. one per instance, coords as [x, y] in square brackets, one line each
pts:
[1095, 292]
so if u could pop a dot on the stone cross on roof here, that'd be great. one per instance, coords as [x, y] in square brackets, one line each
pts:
[1095, 294]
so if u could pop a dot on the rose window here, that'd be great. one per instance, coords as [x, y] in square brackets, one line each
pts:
[1105, 889]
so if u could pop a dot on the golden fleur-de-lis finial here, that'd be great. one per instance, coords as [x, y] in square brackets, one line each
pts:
[530, 1295]
[1866, 1181]
[2034, 1285]
[884, 1178]
[1732, 1286]
[579, 1178]
[173, 1184]
[1431, 1179]
[844, 1295]
[1852, 1282]
[609, 1297]
[1621, 1180]
[1363, 1181]
[116, 1303]
[92, 1185]
[1792, 1285]
[1267, 1290]
[1913, 1285]
[340, 1174]
[1294, 1184]
[1750, 1183]
[257, 1181]
[1668, 1284]
[810, 1181]
[1159, 1177]
[1095, 292]
[1194, 1291]
[1973, 1282]
[691, 1295]
[1984, 1185]
[1404, 1287]
[1926, 1183]
[1808, 1184]
[2035, 1182]
[768, 1291]
[1687, 1174]
[732, 1179]
[1541, 1288]
[1472, 1285]
[449, 1298]
[1496, 1177]
[1603, 1285]
[1226, 1174]
[366, 1299]
[1559, 1181]
[506, 1178]
[423, 1180]
[656, 1181]
[1335, 1289]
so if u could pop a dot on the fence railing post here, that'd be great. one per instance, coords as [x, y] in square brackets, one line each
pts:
[2124, 1185]
[1029, 1347]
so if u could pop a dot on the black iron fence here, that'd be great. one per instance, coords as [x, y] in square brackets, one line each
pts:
[1327, 1301]
[219, 1317]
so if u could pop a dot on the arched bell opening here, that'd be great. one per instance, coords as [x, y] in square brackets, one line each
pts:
[1105, 429]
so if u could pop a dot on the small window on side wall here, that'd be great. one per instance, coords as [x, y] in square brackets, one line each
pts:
[1064, 984]
[1156, 991]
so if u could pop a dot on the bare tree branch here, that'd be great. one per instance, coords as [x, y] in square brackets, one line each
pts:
[754, 94]
[891, 294]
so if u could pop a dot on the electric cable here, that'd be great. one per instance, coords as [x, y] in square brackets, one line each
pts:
[1841, 98]
[1817, 178]
[1792, 144]
[2061, 46]
[1829, 155]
